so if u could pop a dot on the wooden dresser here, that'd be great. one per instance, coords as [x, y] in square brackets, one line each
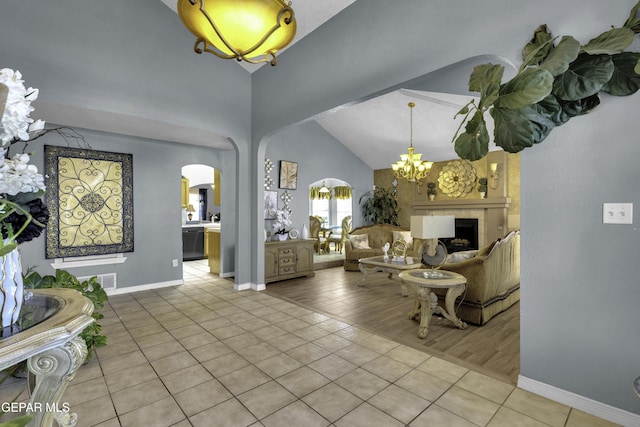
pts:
[288, 259]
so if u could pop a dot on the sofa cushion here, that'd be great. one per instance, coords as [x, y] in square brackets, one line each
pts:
[360, 241]
[403, 235]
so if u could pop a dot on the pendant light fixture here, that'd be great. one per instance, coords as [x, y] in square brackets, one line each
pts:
[246, 30]
[410, 166]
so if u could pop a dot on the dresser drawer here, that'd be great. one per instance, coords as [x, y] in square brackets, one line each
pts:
[286, 252]
[287, 260]
[287, 269]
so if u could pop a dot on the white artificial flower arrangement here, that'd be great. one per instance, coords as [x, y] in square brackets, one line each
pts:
[23, 215]
[282, 222]
[16, 123]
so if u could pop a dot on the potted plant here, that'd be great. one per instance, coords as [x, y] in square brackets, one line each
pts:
[431, 190]
[90, 288]
[482, 187]
[380, 206]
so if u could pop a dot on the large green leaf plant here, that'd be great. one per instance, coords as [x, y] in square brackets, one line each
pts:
[558, 79]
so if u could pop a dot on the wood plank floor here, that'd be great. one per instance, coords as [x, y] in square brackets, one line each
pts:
[493, 349]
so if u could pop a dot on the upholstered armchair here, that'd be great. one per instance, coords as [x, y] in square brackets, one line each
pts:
[322, 243]
[338, 240]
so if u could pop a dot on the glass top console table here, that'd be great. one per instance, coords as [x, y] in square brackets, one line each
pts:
[46, 336]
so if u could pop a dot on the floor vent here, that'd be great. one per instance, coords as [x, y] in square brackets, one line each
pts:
[107, 281]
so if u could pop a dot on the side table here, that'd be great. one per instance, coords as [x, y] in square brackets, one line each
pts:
[46, 335]
[426, 302]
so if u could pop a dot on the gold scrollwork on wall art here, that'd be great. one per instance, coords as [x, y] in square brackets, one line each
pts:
[90, 200]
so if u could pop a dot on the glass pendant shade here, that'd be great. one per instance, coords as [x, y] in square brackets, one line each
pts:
[247, 30]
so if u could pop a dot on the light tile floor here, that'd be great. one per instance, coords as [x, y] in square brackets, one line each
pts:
[202, 354]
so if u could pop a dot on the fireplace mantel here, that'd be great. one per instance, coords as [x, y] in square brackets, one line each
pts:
[491, 214]
[494, 203]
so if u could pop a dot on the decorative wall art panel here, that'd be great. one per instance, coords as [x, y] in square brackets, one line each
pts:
[288, 175]
[270, 204]
[90, 200]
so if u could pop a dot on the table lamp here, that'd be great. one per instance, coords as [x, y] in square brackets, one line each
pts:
[431, 228]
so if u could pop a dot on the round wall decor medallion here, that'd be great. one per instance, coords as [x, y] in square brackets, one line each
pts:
[457, 178]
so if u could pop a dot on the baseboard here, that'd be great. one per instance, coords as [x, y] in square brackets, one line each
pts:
[147, 287]
[227, 274]
[590, 406]
[241, 286]
[258, 287]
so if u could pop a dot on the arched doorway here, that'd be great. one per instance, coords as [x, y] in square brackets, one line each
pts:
[200, 215]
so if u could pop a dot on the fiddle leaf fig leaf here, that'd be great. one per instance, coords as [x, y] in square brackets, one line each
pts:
[551, 109]
[625, 80]
[633, 21]
[581, 106]
[541, 122]
[473, 144]
[585, 77]
[637, 67]
[610, 42]
[561, 56]
[513, 131]
[528, 87]
[538, 48]
[486, 79]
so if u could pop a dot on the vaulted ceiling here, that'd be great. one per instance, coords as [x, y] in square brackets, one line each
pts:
[383, 121]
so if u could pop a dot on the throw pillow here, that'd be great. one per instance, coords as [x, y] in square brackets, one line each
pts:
[360, 241]
[461, 256]
[403, 235]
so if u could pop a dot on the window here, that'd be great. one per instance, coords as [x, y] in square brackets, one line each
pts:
[321, 208]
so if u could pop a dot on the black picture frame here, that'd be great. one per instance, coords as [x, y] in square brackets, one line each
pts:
[288, 175]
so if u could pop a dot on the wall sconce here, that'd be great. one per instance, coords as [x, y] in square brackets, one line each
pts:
[494, 175]
[190, 209]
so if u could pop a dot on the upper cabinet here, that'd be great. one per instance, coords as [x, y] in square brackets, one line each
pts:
[185, 192]
[217, 188]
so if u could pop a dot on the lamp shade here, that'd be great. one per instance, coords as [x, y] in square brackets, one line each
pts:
[433, 227]
[250, 30]
[190, 208]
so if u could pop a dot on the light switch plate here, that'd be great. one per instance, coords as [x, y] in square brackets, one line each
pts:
[617, 213]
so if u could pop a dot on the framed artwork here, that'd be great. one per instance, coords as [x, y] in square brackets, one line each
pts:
[288, 175]
[90, 202]
[270, 204]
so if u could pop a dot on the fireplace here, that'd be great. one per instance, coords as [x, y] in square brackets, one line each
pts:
[466, 236]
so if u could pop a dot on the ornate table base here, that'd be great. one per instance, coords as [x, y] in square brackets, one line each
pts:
[47, 337]
[50, 372]
[426, 302]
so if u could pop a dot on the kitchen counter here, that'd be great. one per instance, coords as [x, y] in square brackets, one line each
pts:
[206, 225]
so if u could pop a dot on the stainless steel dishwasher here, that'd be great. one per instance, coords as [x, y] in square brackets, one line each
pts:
[192, 243]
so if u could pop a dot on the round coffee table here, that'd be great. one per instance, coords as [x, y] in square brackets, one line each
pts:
[426, 302]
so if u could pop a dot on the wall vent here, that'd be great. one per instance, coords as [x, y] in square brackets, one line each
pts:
[107, 281]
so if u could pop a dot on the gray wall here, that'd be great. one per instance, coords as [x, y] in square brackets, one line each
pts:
[157, 208]
[580, 285]
[377, 44]
[135, 58]
[319, 155]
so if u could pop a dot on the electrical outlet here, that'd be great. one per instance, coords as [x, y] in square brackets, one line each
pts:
[174, 262]
[617, 213]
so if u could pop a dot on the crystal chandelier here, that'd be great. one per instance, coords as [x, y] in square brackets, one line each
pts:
[247, 30]
[410, 166]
